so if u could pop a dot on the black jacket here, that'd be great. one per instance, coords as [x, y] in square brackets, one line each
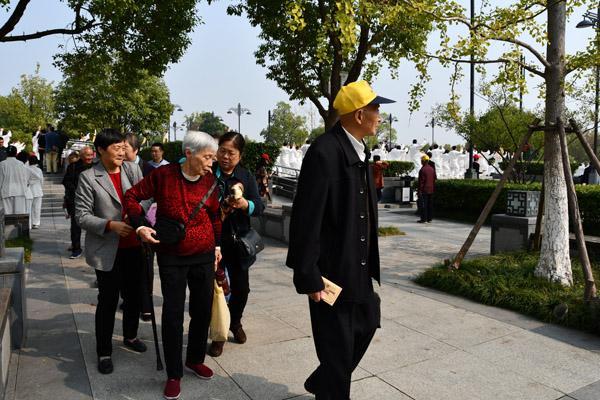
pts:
[238, 221]
[329, 228]
[70, 180]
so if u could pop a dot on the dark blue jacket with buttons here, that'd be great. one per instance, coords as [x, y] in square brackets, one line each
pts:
[333, 229]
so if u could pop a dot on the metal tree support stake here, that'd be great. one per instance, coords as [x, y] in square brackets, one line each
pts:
[590, 285]
[492, 200]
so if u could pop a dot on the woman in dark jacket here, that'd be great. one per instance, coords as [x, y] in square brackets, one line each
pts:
[239, 200]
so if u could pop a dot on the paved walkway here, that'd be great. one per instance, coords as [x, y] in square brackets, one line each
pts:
[431, 346]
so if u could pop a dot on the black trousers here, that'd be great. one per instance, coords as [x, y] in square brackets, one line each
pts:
[342, 333]
[75, 229]
[379, 194]
[427, 207]
[123, 278]
[239, 283]
[174, 279]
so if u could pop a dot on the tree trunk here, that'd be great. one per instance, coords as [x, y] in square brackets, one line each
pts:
[555, 263]
[331, 118]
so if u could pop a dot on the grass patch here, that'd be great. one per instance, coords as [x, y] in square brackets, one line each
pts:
[24, 242]
[507, 281]
[389, 231]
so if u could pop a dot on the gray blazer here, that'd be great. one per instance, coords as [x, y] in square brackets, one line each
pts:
[97, 202]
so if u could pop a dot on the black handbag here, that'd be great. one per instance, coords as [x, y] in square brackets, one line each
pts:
[169, 231]
[248, 244]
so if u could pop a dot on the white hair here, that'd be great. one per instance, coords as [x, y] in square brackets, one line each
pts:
[195, 141]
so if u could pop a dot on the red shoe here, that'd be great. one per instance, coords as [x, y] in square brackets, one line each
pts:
[172, 389]
[200, 370]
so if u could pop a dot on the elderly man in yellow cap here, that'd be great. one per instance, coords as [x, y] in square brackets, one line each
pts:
[333, 236]
[426, 188]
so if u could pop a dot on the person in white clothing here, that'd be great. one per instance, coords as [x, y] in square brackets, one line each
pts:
[15, 179]
[37, 180]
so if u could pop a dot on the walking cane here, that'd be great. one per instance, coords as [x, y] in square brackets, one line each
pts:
[148, 257]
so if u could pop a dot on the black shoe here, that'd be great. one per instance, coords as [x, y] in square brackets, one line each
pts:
[135, 345]
[105, 366]
[146, 317]
[421, 222]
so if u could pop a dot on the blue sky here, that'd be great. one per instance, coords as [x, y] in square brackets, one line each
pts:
[219, 71]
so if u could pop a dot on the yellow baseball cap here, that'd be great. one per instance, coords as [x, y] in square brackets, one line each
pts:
[356, 95]
[425, 158]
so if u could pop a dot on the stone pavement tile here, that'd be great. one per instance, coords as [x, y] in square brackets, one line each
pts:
[398, 303]
[449, 324]
[374, 388]
[296, 315]
[550, 362]
[460, 375]
[395, 346]
[589, 392]
[270, 372]
[263, 328]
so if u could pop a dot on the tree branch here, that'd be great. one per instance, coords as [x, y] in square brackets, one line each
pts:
[364, 44]
[14, 19]
[520, 43]
[37, 35]
[496, 61]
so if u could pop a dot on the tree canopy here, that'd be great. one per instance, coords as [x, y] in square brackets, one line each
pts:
[206, 122]
[95, 95]
[310, 48]
[29, 105]
[147, 34]
[286, 127]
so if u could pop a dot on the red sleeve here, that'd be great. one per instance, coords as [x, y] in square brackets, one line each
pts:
[143, 190]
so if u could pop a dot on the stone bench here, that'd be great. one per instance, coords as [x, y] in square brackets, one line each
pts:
[5, 338]
[274, 223]
[20, 223]
[12, 277]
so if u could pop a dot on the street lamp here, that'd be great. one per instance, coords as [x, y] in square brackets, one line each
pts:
[391, 119]
[432, 125]
[176, 107]
[239, 111]
[590, 20]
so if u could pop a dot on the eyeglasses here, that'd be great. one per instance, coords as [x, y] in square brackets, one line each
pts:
[230, 153]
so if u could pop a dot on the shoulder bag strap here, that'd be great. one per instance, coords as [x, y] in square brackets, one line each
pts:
[202, 202]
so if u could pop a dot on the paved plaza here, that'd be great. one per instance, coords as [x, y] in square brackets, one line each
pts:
[431, 346]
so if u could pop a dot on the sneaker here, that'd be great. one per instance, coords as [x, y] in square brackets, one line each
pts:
[200, 370]
[35, 227]
[146, 317]
[216, 349]
[238, 334]
[135, 344]
[172, 389]
[76, 254]
[105, 365]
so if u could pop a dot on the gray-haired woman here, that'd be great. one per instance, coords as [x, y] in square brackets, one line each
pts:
[177, 190]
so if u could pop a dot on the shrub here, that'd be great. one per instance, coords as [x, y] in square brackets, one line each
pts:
[507, 281]
[172, 152]
[464, 199]
[398, 168]
[531, 167]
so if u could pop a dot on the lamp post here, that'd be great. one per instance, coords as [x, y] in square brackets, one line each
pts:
[176, 107]
[239, 111]
[391, 119]
[591, 20]
[470, 174]
[432, 125]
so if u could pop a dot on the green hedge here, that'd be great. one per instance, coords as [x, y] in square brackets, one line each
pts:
[532, 167]
[464, 199]
[172, 152]
[252, 153]
[508, 281]
[398, 168]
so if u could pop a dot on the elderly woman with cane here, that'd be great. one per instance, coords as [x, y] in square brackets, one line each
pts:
[185, 237]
